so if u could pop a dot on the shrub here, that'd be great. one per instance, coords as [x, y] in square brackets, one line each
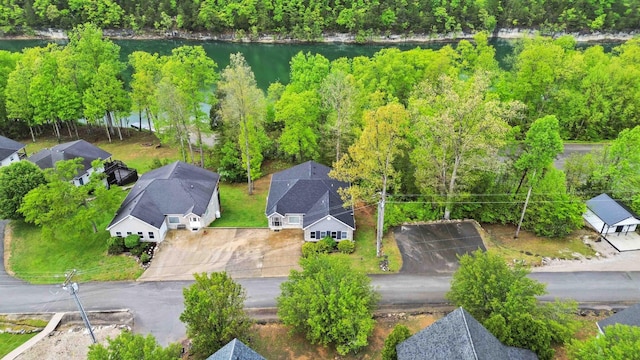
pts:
[346, 246]
[309, 249]
[326, 245]
[116, 245]
[131, 241]
[139, 249]
[144, 258]
[399, 334]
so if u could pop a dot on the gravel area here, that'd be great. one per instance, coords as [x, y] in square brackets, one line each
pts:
[70, 343]
[609, 259]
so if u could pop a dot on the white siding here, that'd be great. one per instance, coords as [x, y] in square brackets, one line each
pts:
[328, 224]
[11, 159]
[134, 225]
[86, 177]
[597, 224]
[288, 221]
[213, 210]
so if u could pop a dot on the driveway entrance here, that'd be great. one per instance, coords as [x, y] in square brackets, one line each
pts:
[434, 248]
[242, 253]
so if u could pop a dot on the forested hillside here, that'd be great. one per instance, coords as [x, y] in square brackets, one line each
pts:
[308, 19]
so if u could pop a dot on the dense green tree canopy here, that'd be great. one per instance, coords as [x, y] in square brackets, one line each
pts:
[329, 302]
[16, 180]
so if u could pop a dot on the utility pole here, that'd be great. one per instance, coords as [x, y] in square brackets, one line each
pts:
[73, 290]
[526, 202]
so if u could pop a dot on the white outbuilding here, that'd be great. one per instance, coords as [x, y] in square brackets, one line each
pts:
[607, 216]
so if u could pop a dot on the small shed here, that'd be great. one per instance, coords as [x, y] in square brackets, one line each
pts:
[607, 216]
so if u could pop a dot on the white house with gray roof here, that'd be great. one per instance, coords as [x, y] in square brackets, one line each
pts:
[608, 216]
[175, 196]
[458, 336]
[305, 197]
[235, 350]
[47, 158]
[11, 151]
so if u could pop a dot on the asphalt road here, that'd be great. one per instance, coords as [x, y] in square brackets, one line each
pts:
[157, 305]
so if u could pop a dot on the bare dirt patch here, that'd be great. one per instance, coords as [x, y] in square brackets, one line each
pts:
[70, 343]
[240, 252]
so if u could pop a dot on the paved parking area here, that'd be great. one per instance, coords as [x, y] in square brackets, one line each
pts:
[241, 253]
[433, 248]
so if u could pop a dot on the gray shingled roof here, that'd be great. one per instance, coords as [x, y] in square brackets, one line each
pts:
[609, 210]
[629, 316]
[46, 158]
[8, 147]
[308, 189]
[177, 188]
[458, 336]
[235, 350]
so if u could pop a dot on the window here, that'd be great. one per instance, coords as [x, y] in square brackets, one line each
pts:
[276, 221]
[128, 232]
[151, 235]
[334, 235]
[140, 234]
[312, 235]
[174, 220]
[80, 181]
[118, 234]
[323, 234]
[344, 235]
[194, 219]
[294, 219]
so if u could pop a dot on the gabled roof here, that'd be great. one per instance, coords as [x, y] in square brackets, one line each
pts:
[8, 147]
[307, 189]
[46, 158]
[629, 316]
[458, 336]
[609, 210]
[177, 188]
[235, 350]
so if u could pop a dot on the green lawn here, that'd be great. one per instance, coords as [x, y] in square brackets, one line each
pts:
[365, 237]
[8, 342]
[239, 209]
[41, 261]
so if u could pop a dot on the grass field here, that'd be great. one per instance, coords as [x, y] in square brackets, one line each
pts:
[239, 209]
[365, 237]
[40, 261]
[9, 342]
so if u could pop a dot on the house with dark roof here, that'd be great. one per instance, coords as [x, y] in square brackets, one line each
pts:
[47, 158]
[458, 336]
[305, 197]
[629, 316]
[175, 196]
[608, 216]
[235, 350]
[11, 151]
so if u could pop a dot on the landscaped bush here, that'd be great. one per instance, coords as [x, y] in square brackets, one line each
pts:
[346, 246]
[131, 241]
[327, 245]
[139, 249]
[309, 249]
[144, 258]
[116, 245]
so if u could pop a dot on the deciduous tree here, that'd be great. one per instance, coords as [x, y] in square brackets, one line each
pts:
[368, 165]
[16, 180]
[214, 313]
[329, 302]
[620, 342]
[504, 300]
[399, 334]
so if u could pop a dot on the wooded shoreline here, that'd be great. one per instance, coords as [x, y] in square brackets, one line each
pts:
[329, 38]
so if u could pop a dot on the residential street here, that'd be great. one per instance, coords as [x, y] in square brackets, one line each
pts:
[157, 305]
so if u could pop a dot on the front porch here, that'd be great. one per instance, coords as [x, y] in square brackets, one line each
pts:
[623, 242]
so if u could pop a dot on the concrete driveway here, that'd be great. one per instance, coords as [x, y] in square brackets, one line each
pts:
[434, 248]
[242, 253]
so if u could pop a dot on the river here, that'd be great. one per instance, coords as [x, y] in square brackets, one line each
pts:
[270, 62]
